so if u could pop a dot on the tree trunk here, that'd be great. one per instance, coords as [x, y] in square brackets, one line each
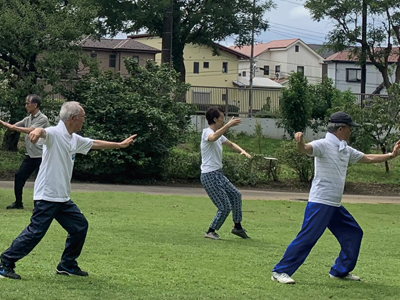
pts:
[178, 42]
[10, 141]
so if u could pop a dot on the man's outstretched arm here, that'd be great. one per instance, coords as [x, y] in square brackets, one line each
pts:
[100, 144]
[377, 158]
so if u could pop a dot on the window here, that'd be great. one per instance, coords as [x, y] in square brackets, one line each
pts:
[296, 48]
[111, 61]
[196, 68]
[266, 70]
[206, 65]
[277, 69]
[93, 54]
[224, 67]
[244, 73]
[300, 69]
[135, 58]
[353, 75]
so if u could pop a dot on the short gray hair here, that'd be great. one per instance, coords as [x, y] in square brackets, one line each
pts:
[333, 127]
[70, 108]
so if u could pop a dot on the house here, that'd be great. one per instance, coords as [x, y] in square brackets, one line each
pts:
[345, 72]
[278, 59]
[110, 53]
[203, 68]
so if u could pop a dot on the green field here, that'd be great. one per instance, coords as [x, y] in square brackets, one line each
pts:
[152, 247]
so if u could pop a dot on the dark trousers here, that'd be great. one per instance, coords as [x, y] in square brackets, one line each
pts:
[67, 215]
[28, 166]
[318, 217]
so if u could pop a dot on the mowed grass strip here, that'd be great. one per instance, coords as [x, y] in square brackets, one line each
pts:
[152, 247]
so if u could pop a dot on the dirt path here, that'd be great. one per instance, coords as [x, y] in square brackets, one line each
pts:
[248, 194]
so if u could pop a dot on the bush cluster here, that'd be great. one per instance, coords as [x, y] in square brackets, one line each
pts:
[182, 164]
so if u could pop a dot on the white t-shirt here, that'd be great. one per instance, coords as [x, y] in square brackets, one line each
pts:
[53, 182]
[211, 152]
[330, 169]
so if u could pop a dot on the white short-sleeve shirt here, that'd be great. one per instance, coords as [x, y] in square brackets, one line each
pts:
[53, 182]
[211, 152]
[330, 168]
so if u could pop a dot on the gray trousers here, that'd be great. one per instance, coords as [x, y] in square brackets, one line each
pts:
[67, 215]
[225, 197]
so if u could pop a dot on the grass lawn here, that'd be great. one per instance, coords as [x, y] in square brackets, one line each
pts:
[152, 247]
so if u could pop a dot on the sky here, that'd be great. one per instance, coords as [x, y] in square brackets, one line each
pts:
[289, 20]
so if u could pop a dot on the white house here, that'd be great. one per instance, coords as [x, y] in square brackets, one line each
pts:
[346, 73]
[278, 59]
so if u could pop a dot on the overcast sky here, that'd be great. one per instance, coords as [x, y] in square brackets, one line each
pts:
[289, 20]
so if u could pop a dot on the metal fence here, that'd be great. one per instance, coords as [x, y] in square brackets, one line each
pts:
[235, 101]
[365, 100]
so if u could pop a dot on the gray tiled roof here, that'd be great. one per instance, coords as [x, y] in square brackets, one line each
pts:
[118, 44]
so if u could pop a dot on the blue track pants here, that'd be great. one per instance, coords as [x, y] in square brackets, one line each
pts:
[318, 217]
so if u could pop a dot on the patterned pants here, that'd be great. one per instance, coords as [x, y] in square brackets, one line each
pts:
[225, 197]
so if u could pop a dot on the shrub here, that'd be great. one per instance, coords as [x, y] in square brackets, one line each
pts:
[181, 164]
[302, 164]
[144, 103]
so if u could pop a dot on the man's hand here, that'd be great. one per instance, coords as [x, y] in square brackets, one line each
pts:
[125, 143]
[7, 125]
[396, 149]
[245, 153]
[234, 122]
[35, 134]
[298, 136]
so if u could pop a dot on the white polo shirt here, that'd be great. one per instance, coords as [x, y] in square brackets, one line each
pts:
[211, 152]
[53, 182]
[330, 168]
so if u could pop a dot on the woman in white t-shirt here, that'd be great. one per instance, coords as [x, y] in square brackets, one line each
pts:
[221, 191]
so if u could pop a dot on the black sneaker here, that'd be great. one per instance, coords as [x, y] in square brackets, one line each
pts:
[15, 205]
[240, 232]
[73, 271]
[8, 272]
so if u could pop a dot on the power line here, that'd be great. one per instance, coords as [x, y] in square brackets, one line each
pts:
[297, 28]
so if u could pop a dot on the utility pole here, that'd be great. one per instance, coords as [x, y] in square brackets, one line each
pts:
[363, 50]
[252, 69]
[166, 51]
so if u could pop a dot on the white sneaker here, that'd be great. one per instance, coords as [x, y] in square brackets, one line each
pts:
[347, 277]
[282, 278]
[212, 235]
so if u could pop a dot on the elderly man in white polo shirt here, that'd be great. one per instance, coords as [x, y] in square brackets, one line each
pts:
[324, 209]
[52, 190]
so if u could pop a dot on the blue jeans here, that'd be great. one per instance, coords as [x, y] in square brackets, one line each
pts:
[318, 217]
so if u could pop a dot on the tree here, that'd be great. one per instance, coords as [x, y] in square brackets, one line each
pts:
[38, 47]
[295, 105]
[382, 31]
[144, 103]
[379, 119]
[194, 21]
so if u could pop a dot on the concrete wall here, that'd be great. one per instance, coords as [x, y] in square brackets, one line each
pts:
[248, 126]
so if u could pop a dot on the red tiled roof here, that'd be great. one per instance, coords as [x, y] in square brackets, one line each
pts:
[259, 48]
[346, 56]
[118, 44]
